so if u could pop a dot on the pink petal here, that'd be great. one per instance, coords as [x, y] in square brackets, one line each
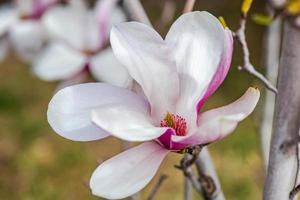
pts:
[108, 14]
[217, 123]
[128, 172]
[222, 69]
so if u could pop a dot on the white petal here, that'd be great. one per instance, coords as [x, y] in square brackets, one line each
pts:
[8, 16]
[149, 62]
[217, 123]
[69, 111]
[130, 121]
[76, 28]
[128, 172]
[27, 38]
[197, 39]
[57, 62]
[106, 68]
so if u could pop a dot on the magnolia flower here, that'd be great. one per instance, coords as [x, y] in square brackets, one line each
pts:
[78, 36]
[177, 75]
[20, 28]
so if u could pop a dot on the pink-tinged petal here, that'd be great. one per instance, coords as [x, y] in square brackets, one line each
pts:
[34, 8]
[217, 123]
[27, 38]
[222, 70]
[106, 68]
[77, 28]
[148, 60]
[130, 121]
[197, 40]
[58, 62]
[69, 111]
[128, 172]
[8, 16]
[108, 14]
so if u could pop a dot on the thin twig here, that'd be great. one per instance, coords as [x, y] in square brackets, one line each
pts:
[240, 35]
[160, 181]
[189, 5]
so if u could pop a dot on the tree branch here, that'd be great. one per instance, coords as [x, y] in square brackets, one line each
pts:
[240, 35]
[272, 42]
[283, 161]
[205, 168]
[188, 192]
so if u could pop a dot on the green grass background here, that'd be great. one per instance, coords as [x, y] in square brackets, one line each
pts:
[37, 164]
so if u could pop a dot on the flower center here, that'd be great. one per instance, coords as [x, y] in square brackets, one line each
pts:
[176, 122]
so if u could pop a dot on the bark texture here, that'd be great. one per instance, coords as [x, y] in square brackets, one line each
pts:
[283, 153]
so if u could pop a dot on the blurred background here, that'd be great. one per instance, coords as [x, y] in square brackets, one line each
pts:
[36, 163]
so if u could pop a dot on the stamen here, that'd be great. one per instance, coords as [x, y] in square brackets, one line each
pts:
[176, 122]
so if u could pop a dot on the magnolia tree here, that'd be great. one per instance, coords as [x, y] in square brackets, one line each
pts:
[152, 89]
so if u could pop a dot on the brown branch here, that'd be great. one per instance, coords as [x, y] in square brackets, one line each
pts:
[240, 35]
[160, 181]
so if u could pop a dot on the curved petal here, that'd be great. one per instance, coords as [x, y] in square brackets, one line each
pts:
[222, 69]
[69, 111]
[217, 123]
[58, 62]
[8, 16]
[27, 38]
[128, 172]
[130, 121]
[197, 39]
[105, 67]
[148, 60]
[78, 29]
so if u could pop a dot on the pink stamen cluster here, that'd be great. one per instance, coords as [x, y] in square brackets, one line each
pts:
[176, 122]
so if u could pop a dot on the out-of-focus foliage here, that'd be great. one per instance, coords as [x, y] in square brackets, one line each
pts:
[35, 163]
[293, 7]
[246, 5]
[262, 19]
